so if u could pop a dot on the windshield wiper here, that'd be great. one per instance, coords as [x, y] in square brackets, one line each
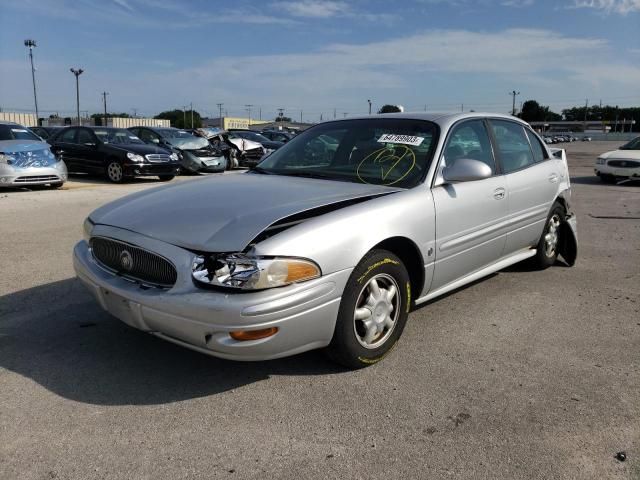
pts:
[312, 175]
[261, 170]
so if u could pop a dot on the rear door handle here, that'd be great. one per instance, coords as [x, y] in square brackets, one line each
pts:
[498, 193]
[553, 178]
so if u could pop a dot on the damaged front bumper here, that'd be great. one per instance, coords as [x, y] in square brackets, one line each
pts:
[304, 314]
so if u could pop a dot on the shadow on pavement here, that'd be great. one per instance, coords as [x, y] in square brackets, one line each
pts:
[595, 180]
[57, 335]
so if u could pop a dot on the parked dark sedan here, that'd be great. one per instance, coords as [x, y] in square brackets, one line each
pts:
[196, 154]
[114, 152]
[277, 135]
[45, 133]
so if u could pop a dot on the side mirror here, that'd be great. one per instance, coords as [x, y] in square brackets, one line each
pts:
[466, 170]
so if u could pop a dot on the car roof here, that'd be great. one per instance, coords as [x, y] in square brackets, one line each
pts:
[437, 117]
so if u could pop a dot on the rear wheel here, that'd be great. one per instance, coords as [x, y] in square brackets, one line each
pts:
[373, 311]
[166, 178]
[115, 172]
[549, 243]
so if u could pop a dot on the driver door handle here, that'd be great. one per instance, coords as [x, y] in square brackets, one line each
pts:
[498, 193]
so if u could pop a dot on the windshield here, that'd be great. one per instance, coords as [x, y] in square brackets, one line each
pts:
[118, 136]
[632, 145]
[256, 137]
[17, 132]
[174, 133]
[383, 151]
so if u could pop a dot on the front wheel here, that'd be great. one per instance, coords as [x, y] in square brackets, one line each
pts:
[373, 311]
[547, 248]
[115, 172]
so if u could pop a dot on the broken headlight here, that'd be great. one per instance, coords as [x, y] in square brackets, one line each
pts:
[252, 273]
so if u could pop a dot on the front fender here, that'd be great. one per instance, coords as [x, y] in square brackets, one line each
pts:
[341, 238]
[568, 246]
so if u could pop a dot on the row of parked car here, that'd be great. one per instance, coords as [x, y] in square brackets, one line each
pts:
[121, 154]
[564, 138]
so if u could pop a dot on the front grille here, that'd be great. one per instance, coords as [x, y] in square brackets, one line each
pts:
[158, 157]
[623, 163]
[37, 178]
[133, 262]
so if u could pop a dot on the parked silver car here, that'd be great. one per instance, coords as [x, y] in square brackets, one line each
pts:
[331, 248]
[26, 160]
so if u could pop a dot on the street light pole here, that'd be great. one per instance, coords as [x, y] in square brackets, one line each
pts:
[248, 107]
[184, 116]
[104, 101]
[513, 108]
[369, 101]
[77, 72]
[220, 117]
[191, 106]
[30, 44]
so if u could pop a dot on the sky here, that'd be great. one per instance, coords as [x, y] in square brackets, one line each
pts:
[314, 57]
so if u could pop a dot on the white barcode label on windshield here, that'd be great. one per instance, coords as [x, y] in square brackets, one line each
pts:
[404, 139]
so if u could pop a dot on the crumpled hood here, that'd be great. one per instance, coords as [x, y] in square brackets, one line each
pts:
[224, 213]
[15, 146]
[622, 154]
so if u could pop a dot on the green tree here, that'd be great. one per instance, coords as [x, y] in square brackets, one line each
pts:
[181, 118]
[283, 119]
[389, 109]
[532, 111]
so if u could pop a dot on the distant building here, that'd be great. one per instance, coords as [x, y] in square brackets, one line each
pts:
[231, 122]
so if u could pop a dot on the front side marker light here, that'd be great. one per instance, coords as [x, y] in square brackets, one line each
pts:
[248, 335]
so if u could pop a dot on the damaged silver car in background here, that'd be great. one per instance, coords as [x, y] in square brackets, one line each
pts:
[26, 160]
[331, 247]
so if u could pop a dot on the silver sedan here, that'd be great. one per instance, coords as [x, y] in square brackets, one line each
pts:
[26, 160]
[334, 238]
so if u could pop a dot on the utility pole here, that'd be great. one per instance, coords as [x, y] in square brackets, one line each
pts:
[191, 106]
[369, 106]
[425, 107]
[586, 107]
[184, 116]
[260, 114]
[616, 127]
[248, 107]
[104, 102]
[220, 117]
[344, 114]
[462, 107]
[334, 113]
[77, 72]
[30, 44]
[135, 112]
[300, 116]
[513, 107]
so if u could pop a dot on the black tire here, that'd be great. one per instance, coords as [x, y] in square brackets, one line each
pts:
[166, 178]
[347, 346]
[604, 178]
[545, 257]
[113, 167]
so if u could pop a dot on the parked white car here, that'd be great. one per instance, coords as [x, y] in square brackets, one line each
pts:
[621, 164]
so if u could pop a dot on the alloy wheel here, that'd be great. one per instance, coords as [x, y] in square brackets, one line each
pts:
[377, 310]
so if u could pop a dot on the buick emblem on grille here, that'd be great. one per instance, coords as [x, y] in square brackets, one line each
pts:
[126, 260]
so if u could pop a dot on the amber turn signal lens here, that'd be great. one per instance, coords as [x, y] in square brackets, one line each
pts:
[298, 271]
[246, 335]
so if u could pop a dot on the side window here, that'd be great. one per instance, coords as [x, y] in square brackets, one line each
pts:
[85, 136]
[148, 136]
[469, 140]
[513, 145]
[69, 136]
[539, 154]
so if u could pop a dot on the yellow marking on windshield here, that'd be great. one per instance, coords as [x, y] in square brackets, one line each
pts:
[388, 155]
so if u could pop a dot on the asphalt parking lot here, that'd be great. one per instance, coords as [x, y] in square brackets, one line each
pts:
[525, 374]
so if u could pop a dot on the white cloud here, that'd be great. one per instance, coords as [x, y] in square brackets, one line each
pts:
[622, 7]
[312, 8]
[479, 64]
